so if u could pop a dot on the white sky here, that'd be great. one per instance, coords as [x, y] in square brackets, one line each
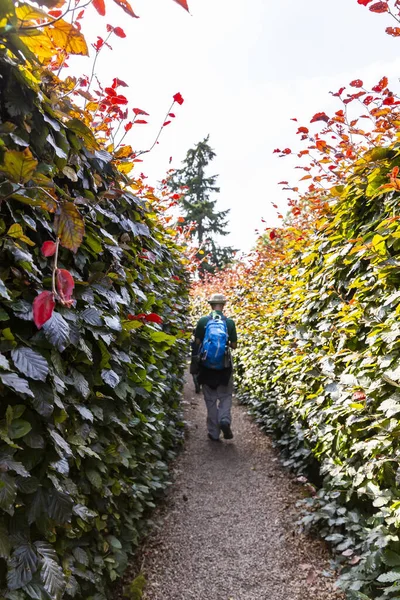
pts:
[244, 68]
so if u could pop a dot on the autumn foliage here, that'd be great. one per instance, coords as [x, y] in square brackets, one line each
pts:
[317, 304]
[93, 297]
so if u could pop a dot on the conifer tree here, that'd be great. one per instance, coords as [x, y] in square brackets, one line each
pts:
[199, 206]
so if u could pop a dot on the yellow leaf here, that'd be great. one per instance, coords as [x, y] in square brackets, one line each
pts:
[378, 244]
[125, 167]
[26, 12]
[124, 152]
[18, 166]
[67, 37]
[39, 45]
[16, 231]
[69, 226]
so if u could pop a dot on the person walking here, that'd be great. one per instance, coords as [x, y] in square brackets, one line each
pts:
[215, 335]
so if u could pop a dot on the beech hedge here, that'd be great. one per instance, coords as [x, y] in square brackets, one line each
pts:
[90, 402]
[318, 365]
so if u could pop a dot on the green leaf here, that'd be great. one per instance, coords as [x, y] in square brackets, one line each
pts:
[16, 383]
[60, 507]
[8, 491]
[57, 331]
[5, 546]
[69, 226]
[82, 131]
[30, 363]
[7, 463]
[3, 291]
[4, 364]
[18, 429]
[51, 573]
[131, 325]
[43, 399]
[160, 336]
[81, 556]
[62, 446]
[80, 383]
[115, 543]
[22, 566]
[110, 377]
[389, 577]
[94, 478]
[91, 316]
[390, 558]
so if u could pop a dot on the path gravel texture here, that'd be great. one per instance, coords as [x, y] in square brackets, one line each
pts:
[228, 528]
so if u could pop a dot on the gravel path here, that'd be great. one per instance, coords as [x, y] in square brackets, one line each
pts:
[227, 530]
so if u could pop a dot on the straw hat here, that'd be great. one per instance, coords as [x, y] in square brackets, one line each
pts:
[217, 299]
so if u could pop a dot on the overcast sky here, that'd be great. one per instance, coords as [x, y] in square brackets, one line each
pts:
[244, 68]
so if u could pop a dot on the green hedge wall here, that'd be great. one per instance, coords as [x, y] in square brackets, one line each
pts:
[90, 403]
[319, 366]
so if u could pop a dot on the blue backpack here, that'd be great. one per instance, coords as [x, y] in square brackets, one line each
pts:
[213, 349]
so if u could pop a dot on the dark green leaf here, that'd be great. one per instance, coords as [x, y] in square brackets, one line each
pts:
[30, 363]
[18, 384]
[57, 331]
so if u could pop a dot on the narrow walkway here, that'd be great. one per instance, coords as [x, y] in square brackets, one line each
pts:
[228, 529]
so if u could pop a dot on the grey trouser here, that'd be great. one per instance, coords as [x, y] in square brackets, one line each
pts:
[217, 412]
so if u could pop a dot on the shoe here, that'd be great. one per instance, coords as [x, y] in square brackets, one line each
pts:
[226, 430]
[213, 439]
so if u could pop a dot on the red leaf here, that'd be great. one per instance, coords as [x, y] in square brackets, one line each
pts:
[171, 115]
[378, 7]
[183, 3]
[98, 45]
[357, 83]
[302, 130]
[276, 151]
[339, 93]
[394, 31]
[128, 126]
[272, 234]
[321, 116]
[117, 82]
[137, 317]
[286, 151]
[359, 396]
[55, 13]
[367, 100]
[153, 318]
[139, 111]
[282, 183]
[43, 306]
[140, 122]
[119, 32]
[124, 4]
[48, 248]
[100, 7]
[178, 97]
[65, 286]
[166, 123]
[119, 100]
[364, 2]
[381, 85]
[110, 91]
[176, 196]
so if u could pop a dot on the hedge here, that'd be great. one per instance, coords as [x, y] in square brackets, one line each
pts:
[90, 392]
[318, 365]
